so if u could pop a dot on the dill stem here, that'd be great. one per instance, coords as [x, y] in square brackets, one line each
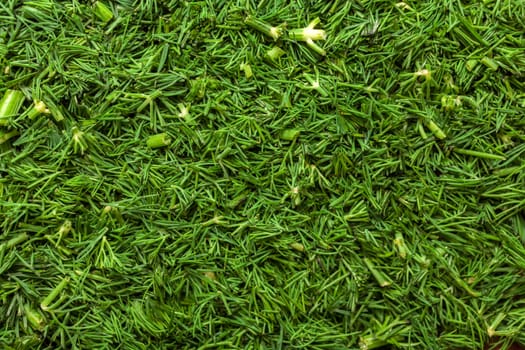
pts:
[158, 140]
[102, 11]
[16, 240]
[5, 136]
[435, 129]
[36, 319]
[478, 154]
[264, 27]
[381, 278]
[400, 245]
[54, 293]
[10, 105]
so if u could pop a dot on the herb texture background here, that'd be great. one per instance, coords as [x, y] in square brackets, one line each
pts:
[201, 175]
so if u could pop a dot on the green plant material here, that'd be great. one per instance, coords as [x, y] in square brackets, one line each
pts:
[64, 229]
[297, 246]
[14, 241]
[7, 135]
[309, 34]
[381, 278]
[468, 32]
[478, 154]
[316, 85]
[263, 27]
[57, 113]
[102, 11]
[45, 304]
[114, 213]
[388, 332]
[35, 319]
[358, 212]
[361, 186]
[492, 328]
[450, 103]
[490, 63]
[62, 233]
[158, 140]
[274, 54]
[38, 109]
[184, 112]
[435, 129]
[401, 247]
[247, 69]
[440, 256]
[471, 64]
[79, 140]
[290, 134]
[10, 105]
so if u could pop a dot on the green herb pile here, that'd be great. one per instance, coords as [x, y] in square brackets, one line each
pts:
[262, 174]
